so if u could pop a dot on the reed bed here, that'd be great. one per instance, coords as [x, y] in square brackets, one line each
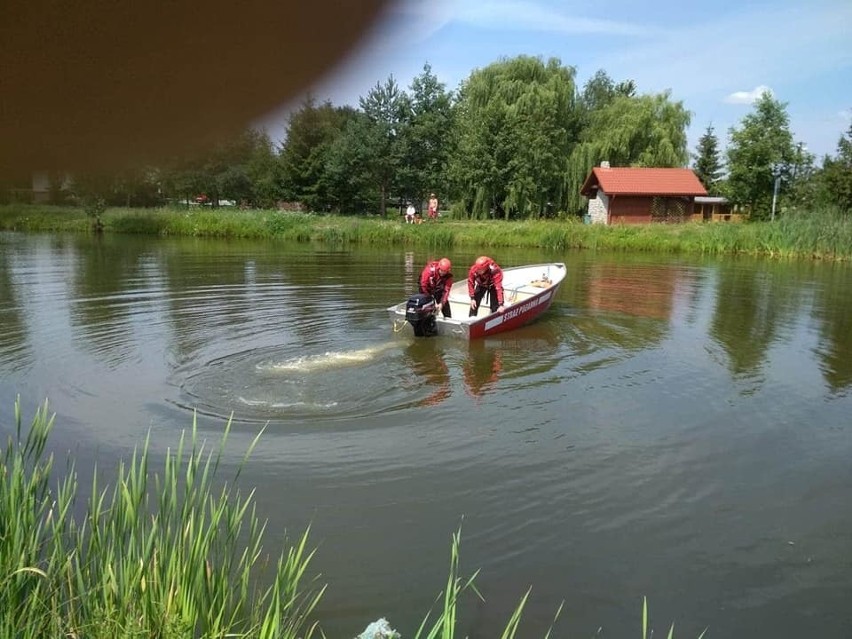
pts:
[185, 562]
[164, 555]
[817, 234]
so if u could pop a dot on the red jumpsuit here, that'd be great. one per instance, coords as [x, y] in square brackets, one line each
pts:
[491, 281]
[437, 285]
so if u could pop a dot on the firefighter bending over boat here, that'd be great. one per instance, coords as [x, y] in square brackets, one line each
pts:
[436, 280]
[485, 276]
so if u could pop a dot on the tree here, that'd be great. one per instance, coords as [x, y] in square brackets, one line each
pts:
[516, 121]
[350, 172]
[647, 130]
[427, 141]
[708, 165]
[312, 132]
[600, 90]
[837, 174]
[387, 109]
[759, 149]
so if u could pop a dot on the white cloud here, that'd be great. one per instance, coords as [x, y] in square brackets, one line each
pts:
[846, 115]
[748, 97]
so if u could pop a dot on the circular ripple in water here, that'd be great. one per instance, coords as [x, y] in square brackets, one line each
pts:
[265, 384]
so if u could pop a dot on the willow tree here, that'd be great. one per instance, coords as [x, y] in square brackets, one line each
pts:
[515, 122]
[646, 130]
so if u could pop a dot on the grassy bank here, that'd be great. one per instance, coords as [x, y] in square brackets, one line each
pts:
[818, 234]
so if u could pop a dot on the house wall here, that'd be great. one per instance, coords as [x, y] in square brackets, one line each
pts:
[630, 210]
[598, 208]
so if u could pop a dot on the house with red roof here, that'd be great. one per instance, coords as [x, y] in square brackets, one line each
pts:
[638, 195]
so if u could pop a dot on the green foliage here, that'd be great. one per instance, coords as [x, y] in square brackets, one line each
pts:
[708, 165]
[350, 172]
[516, 121]
[159, 558]
[427, 141]
[241, 168]
[760, 147]
[387, 108]
[837, 174]
[312, 132]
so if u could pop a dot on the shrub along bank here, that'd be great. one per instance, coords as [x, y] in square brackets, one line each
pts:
[817, 234]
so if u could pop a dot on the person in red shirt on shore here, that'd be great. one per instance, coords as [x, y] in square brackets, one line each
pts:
[485, 276]
[436, 280]
[433, 207]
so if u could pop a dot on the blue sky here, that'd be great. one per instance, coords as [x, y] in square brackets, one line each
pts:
[715, 56]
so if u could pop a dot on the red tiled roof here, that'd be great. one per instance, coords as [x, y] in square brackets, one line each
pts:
[642, 181]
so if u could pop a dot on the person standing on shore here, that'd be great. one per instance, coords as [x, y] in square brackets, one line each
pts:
[433, 207]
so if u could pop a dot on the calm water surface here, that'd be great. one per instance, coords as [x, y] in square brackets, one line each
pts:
[673, 428]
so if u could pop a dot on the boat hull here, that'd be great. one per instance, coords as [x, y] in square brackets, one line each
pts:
[528, 293]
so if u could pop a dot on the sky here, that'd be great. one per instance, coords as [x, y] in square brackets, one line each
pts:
[715, 56]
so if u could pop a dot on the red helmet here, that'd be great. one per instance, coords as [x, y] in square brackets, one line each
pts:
[444, 264]
[482, 263]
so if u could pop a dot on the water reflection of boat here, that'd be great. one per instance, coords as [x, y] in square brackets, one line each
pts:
[529, 292]
[529, 348]
[482, 367]
[427, 362]
[481, 363]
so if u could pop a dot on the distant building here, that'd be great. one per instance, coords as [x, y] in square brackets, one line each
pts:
[715, 209]
[634, 195]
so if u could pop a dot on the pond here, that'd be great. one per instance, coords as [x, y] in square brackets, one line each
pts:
[677, 428]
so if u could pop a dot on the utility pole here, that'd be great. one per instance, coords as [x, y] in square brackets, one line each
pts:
[776, 173]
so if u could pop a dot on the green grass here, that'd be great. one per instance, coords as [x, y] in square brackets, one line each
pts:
[817, 234]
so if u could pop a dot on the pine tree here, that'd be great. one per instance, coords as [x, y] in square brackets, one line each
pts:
[708, 165]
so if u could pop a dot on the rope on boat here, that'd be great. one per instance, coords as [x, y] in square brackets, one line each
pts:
[398, 325]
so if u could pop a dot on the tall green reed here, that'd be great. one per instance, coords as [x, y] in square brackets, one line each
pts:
[818, 233]
[183, 557]
[444, 624]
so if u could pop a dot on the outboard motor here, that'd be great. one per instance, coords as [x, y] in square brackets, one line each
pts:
[420, 313]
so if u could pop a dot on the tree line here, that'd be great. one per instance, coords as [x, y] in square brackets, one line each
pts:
[516, 140]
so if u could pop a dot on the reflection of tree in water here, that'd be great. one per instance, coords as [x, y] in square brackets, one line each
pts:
[834, 310]
[751, 304]
[107, 271]
[526, 351]
[14, 346]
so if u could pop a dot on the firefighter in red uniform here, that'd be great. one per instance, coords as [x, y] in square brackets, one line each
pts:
[485, 276]
[436, 280]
